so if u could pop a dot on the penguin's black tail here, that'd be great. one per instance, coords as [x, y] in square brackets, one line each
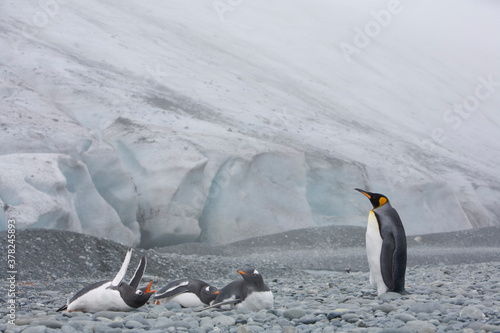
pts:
[62, 308]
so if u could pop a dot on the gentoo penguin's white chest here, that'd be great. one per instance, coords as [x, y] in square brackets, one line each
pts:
[99, 299]
[373, 251]
[187, 300]
[257, 300]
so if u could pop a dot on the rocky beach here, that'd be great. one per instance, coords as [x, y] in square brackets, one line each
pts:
[318, 276]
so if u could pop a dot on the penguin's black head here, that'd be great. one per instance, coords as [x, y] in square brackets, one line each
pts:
[139, 297]
[377, 199]
[252, 276]
[208, 294]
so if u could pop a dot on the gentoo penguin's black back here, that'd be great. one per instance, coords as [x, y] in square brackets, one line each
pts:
[187, 292]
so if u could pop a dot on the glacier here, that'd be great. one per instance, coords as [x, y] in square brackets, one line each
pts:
[157, 123]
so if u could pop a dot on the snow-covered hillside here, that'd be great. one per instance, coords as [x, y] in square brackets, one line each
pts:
[162, 122]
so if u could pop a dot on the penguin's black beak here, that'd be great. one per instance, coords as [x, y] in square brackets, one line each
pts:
[364, 192]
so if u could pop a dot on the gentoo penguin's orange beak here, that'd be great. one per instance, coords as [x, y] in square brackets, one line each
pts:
[157, 302]
[242, 273]
[148, 288]
[216, 293]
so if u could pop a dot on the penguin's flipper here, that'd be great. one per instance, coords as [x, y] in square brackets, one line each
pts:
[139, 272]
[123, 270]
[387, 260]
[216, 305]
[62, 308]
[172, 289]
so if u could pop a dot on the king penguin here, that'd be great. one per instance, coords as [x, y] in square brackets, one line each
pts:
[250, 293]
[114, 295]
[189, 293]
[385, 245]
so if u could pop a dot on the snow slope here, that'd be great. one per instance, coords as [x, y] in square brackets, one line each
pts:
[221, 120]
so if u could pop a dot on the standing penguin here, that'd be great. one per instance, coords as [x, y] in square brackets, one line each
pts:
[385, 245]
[114, 295]
[250, 293]
[189, 293]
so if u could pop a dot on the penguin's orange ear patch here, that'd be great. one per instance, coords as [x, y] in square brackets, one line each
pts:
[382, 201]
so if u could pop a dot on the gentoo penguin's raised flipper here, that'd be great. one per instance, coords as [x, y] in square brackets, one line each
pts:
[139, 272]
[123, 270]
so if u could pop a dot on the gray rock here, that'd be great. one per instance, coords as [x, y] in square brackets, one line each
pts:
[472, 312]
[350, 317]
[172, 306]
[178, 324]
[224, 320]
[427, 307]
[207, 322]
[254, 329]
[295, 313]
[386, 307]
[35, 329]
[133, 324]
[419, 326]
[405, 317]
[116, 324]
[243, 329]
[117, 330]
[108, 314]
[49, 323]
[308, 319]
[490, 328]
[389, 296]
[162, 323]
[68, 329]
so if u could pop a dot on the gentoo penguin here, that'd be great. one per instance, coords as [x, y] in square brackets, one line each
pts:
[250, 293]
[385, 245]
[114, 295]
[189, 293]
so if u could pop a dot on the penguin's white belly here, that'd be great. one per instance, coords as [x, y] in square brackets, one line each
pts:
[99, 299]
[258, 300]
[373, 251]
[187, 300]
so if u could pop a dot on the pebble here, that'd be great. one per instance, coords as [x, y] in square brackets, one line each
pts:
[419, 327]
[386, 308]
[294, 313]
[472, 312]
